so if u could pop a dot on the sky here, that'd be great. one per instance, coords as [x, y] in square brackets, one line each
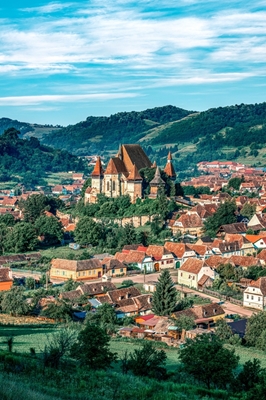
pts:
[63, 61]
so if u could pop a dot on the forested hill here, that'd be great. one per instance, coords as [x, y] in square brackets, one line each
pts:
[99, 133]
[29, 160]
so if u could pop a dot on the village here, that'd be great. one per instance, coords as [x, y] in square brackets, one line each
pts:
[212, 275]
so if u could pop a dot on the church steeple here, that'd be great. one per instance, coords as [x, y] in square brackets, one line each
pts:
[98, 169]
[169, 168]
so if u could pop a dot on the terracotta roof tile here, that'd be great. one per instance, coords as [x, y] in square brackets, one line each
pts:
[192, 265]
[75, 265]
[244, 261]
[98, 169]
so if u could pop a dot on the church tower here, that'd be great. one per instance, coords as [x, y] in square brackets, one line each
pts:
[134, 184]
[97, 176]
[169, 168]
[156, 183]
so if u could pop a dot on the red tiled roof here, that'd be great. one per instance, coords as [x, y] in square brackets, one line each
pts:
[98, 169]
[192, 265]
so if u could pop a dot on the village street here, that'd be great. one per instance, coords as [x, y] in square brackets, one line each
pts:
[229, 308]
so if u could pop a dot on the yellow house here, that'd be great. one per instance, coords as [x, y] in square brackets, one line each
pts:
[193, 269]
[78, 270]
[113, 267]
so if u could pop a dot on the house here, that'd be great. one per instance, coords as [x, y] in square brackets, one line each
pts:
[244, 261]
[113, 267]
[96, 289]
[150, 286]
[202, 251]
[258, 241]
[137, 259]
[203, 315]
[190, 273]
[77, 270]
[238, 227]
[246, 247]
[214, 261]
[181, 252]
[225, 249]
[163, 258]
[6, 280]
[262, 256]
[255, 294]
[188, 223]
[257, 222]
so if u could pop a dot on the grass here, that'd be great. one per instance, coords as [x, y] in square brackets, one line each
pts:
[62, 251]
[248, 353]
[25, 337]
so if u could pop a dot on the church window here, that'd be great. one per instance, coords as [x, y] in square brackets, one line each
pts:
[108, 186]
[113, 185]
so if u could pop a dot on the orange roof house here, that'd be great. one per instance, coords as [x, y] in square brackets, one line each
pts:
[6, 280]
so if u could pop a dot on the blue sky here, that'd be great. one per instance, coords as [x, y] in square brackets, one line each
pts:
[65, 60]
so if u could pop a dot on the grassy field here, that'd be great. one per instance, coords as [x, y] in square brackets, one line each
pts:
[25, 337]
[62, 251]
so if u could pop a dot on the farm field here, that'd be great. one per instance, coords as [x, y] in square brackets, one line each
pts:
[25, 337]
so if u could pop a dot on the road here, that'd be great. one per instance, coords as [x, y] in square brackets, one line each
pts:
[229, 308]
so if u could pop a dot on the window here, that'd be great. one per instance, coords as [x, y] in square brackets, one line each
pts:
[121, 269]
[181, 273]
[252, 297]
[108, 186]
[113, 271]
[258, 298]
[193, 278]
[247, 296]
[113, 185]
[83, 273]
[253, 290]
[162, 262]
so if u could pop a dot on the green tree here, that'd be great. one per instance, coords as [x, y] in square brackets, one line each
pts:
[50, 228]
[148, 361]
[249, 376]
[30, 282]
[14, 302]
[88, 232]
[185, 322]
[7, 219]
[248, 210]
[105, 318]
[59, 344]
[92, 348]
[223, 330]
[225, 214]
[256, 324]
[22, 237]
[208, 361]
[235, 183]
[59, 311]
[165, 296]
[34, 206]
[69, 285]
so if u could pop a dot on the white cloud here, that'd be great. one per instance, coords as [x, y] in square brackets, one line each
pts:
[31, 100]
[49, 8]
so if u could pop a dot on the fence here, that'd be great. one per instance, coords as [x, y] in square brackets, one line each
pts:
[223, 297]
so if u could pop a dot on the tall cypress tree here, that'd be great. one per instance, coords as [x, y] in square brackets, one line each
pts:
[165, 296]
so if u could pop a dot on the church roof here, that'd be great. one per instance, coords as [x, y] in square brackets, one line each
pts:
[157, 180]
[116, 166]
[169, 168]
[134, 174]
[98, 169]
[134, 154]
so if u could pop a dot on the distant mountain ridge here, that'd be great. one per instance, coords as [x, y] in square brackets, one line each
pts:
[236, 132]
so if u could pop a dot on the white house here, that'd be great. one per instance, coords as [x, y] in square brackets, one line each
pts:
[255, 294]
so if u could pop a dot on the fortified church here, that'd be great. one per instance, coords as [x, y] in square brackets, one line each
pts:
[122, 177]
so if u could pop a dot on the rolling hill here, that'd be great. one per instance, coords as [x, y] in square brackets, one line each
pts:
[235, 132]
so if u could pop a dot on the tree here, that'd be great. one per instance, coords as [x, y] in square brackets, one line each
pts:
[148, 361]
[58, 345]
[205, 358]
[30, 282]
[225, 214]
[14, 302]
[235, 183]
[22, 237]
[88, 232]
[59, 311]
[185, 322]
[34, 206]
[223, 330]
[256, 324]
[7, 219]
[165, 296]
[92, 348]
[70, 285]
[105, 317]
[250, 375]
[50, 228]
[248, 210]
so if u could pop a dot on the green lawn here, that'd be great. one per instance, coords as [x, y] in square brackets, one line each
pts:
[62, 251]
